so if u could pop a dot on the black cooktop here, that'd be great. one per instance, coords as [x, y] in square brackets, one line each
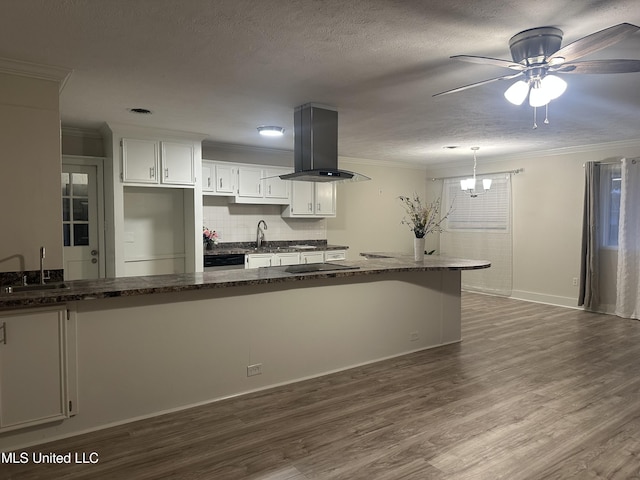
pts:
[318, 267]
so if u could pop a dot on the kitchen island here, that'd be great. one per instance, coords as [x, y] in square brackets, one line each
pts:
[148, 345]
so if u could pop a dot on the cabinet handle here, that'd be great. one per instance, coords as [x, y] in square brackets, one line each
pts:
[259, 189]
[152, 172]
[310, 206]
[4, 332]
[166, 173]
[319, 208]
[209, 182]
[220, 182]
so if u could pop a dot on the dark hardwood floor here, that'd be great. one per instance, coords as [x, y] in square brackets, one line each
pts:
[533, 392]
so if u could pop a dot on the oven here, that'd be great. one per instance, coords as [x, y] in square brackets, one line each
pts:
[226, 261]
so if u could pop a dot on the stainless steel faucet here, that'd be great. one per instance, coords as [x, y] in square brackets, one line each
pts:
[260, 233]
[42, 255]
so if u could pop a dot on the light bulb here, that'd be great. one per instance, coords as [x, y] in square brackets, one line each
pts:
[553, 85]
[486, 183]
[517, 92]
[538, 96]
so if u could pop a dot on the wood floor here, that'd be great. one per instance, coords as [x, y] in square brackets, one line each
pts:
[533, 392]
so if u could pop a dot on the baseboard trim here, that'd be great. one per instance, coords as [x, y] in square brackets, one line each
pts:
[555, 300]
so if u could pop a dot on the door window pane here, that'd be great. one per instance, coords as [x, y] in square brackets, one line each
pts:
[80, 210]
[80, 234]
[66, 233]
[65, 184]
[80, 184]
[65, 210]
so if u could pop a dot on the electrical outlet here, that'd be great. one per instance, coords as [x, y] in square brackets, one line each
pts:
[253, 370]
[575, 281]
[414, 337]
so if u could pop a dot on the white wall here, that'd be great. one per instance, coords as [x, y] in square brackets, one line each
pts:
[369, 213]
[31, 215]
[547, 215]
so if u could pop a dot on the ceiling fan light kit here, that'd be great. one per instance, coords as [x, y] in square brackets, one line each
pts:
[537, 56]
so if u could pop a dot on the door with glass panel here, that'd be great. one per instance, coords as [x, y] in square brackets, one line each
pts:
[80, 222]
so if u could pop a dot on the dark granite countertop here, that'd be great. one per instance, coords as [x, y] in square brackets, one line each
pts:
[79, 290]
[273, 247]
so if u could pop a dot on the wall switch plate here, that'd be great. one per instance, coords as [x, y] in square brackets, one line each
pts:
[575, 280]
[253, 370]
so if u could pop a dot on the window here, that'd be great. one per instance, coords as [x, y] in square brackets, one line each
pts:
[489, 211]
[610, 183]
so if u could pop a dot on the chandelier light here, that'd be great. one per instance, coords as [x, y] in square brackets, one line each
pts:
[468, 185]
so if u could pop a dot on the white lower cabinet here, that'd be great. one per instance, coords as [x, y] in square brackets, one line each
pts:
[257, 260]
[37, 367]
[311, 257]
[331, 255]
[286, 258]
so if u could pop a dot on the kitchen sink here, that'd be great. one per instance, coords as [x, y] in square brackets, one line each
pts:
[35, 288]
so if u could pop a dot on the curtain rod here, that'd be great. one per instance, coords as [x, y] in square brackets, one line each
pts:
[614, 162]
[513, 172]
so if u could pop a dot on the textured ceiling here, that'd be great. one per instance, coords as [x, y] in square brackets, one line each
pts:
[223, 67]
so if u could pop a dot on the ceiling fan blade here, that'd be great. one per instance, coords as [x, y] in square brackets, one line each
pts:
[594, 42]
[477, 84]
[600, 66]
[490, 61]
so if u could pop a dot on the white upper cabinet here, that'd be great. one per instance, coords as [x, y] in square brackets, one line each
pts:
[274, 187]
[177, 163]
[226, 177]
[262, 185]
[218, 178]
[312, 199]
[140, 160]
[250, 182]
[157, 162]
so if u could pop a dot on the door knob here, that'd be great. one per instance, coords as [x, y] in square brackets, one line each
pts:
[94, 252]
[94, 260]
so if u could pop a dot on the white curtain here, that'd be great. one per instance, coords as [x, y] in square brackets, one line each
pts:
[628, 277]
[480, 228]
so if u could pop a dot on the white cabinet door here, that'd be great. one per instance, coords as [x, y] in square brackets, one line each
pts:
[302, 199]
[274, 187]
[286, 258]
[208, 177]
[225, 179]
[250, 182]
[309, 199]
[331, 255]
[325, 205]
[256, 260]
[33, 367]
[311, 257]
[177, 163]
[140, 160]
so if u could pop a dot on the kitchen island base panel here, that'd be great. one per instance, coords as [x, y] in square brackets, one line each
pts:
[142, 356]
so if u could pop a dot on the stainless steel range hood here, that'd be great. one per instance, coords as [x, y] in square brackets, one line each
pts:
[315, 146]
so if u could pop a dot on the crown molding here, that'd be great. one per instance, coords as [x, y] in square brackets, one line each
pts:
[35, 70]
[606, 148]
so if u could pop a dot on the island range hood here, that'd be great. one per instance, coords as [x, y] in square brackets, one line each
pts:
[315, 146]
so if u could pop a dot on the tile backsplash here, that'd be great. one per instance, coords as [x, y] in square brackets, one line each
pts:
[238, 222]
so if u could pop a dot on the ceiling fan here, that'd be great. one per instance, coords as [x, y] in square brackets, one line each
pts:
[537, 58]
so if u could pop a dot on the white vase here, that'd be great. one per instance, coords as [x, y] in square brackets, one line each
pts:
[418, 249]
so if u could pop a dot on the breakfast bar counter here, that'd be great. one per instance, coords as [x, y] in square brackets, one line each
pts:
[136, 347]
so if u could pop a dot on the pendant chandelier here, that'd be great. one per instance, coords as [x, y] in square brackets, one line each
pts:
[468, 185]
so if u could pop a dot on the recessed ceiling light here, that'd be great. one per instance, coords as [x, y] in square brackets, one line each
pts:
[270, 131]
[142, 111]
